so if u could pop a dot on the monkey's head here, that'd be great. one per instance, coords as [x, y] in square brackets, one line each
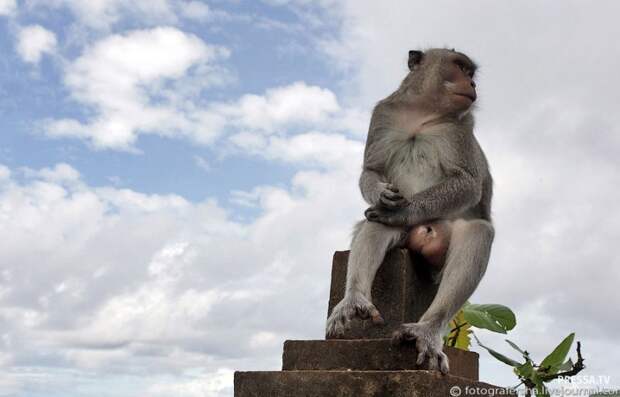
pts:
[442, 79]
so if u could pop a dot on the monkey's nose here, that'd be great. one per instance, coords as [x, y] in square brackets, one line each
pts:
[473, 84]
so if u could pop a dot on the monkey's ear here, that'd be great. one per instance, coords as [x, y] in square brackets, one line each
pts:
[415, 57]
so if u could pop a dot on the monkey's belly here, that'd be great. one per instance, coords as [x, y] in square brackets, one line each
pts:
[416, 167]
[417, 180]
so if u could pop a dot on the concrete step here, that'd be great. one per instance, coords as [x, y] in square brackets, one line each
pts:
[402, 291]
[368, 355]
[359, 384]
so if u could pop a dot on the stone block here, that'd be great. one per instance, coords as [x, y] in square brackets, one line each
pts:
[402, 291]
[359, 384]
[368, 355]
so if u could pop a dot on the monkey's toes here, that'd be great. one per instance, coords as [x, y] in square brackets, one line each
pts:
[335, 326]
[401, 336]
[428, 343]
[355, 305]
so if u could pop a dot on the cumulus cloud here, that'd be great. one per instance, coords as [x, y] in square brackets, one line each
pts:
[103, 14]
[331, 151]
[150, 81]
[212, 384]
[295, 103]
[7, 7]
[134, 82]
[195, 10]
[158, 282]
[33, 41]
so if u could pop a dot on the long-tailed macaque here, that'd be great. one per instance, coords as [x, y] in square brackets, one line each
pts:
[423, 169]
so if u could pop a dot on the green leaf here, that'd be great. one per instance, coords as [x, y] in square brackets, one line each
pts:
[555, 359]
[567, 366]
[496, 318]
[517, 348]
[499, 356]
[525, 370]
[541, 390]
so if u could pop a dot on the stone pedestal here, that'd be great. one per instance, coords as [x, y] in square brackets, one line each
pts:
[419, 383]
[402, 291]
[364, 363]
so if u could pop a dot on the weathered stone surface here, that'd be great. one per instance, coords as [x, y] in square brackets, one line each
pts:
[368, 355]
[402, 291]
[365, 363]
[358, 384]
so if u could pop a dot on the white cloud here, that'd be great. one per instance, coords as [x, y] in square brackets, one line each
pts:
[61, 172]
[33, 41]
[7, 7]
[296, 103]
[103, 14]
[127, 91]
[203, 163]
[195, 10]
[149, 281]
[332, 151]
[211, 384]
[5, 172]
[132, 81]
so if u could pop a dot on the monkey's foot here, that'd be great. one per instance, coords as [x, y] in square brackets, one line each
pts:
[353, 305]
[428, 342]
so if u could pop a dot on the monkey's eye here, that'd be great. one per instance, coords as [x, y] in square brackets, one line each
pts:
[464, 68]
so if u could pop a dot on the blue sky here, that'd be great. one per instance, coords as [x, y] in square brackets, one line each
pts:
[176, 175]
[261, 57]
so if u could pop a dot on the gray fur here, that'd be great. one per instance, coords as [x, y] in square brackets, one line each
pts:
[421, 163]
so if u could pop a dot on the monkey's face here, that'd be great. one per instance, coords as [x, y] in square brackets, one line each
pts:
[459, 92]
[441, 80]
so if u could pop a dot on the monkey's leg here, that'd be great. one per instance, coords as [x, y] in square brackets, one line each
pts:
[468, 255]
[368, 248]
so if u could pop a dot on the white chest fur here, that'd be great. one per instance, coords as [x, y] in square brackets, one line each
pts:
[416, 165]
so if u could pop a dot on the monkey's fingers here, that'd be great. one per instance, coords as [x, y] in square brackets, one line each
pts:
[444, 365]
[403, 334]
[376, 318]
[391, 195]
[421, 355]
[370, 312]
[397, 338]
[391, 187]
[393, 203]
[371, 214]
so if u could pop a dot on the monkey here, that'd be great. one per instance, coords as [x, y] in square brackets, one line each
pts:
[423, 166]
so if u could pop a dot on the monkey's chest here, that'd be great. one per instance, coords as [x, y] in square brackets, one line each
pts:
[416, 168]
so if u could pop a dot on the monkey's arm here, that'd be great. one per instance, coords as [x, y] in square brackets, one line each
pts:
[377, 192]
[372, 184]
[459, 191]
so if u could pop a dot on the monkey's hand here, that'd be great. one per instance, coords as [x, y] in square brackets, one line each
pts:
[428, 342]
[390, 197]
[391, 217]
[352, 305]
